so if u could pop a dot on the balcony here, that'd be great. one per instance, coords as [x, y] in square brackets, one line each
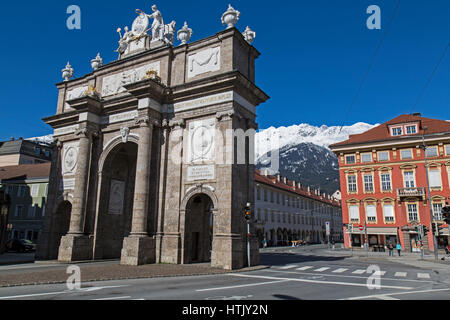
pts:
[416, 193]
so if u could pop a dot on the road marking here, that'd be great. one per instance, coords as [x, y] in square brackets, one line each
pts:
[322, 269]
[400, 274]
[26, 266]
[386, 298]
[342, 276]
[304, 268]
[241, 286]
[33, 295]
[113, 298]
[319, 282]
[379, 273]
[288, 267]
[340, 270]
[423, 275]
[395, 294]
[360, 271]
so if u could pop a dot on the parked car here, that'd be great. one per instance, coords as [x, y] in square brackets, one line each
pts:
[447, 249]
[20, 245]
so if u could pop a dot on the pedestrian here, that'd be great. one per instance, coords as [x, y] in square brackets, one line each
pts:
[399, 248]
[264, 243]
[333, 244]
[391, 249]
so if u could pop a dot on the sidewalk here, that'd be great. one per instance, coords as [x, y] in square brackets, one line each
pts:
[113, 271]
[16, 258]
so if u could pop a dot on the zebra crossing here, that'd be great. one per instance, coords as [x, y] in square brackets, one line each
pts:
[340, 270]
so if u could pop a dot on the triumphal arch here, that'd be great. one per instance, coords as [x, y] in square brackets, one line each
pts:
[148, 166]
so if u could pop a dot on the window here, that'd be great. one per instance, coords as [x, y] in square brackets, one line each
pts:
[47, 153]
[368, 183]
[278, 217]
[351, 159]
[34, 190]
[383, 156]
[354, 213]
[408, 177]
[278, 197]
[37, 150]
[371, 213]
[31, 211]
[447, 150]
[272, 193]
[437, 211]
[258, 193]
[273, 216]
[406, 154]
[435, 178]
[411, 129]
[352, 187]
[397, 131]
[386, 182]
[265, 194]
[366, 157]
[388, 210]
[43, 210]
[412, 212]
[431, 152]
[19, 210]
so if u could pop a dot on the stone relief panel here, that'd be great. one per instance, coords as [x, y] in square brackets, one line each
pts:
[201, 141]
[114, 84]
[204, 61]
[116, 197]
[197, 173]
[75, 94]
[70, 158]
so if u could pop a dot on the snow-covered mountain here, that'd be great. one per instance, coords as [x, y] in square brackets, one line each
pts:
[322, 136]
[303, 151]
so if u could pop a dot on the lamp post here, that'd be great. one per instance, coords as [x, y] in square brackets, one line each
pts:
[424, 147]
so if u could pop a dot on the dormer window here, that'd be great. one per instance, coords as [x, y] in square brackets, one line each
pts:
[411, 129]
[397, 131]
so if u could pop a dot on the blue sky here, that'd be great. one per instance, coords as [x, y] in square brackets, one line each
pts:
[313, 56]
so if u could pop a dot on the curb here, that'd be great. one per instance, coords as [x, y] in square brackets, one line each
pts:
[257, 268]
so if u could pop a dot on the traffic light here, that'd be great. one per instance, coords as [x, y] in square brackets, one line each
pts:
[425, 230]
[248, 212]
[446, 213]
[433, 225]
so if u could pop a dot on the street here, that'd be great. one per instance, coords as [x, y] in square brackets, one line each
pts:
[307, 273]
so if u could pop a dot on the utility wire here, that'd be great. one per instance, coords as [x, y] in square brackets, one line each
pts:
[419, 97]
[369, 67]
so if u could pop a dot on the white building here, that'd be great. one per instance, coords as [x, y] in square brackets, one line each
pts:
[286, 211]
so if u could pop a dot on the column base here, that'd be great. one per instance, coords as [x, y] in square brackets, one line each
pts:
[137, 251]
[230, 252]
[170, 248]
[75, 248]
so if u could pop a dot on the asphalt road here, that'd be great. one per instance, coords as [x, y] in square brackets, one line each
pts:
[302, 274]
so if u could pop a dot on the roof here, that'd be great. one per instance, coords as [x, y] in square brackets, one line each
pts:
[288, 186]
[382, 133]
[25, 171]
[26, 147]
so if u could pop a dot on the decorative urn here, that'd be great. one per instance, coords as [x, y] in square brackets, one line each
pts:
[249, 35]
[67, 72]
[230, 17]
[184, 34]
[97, 62]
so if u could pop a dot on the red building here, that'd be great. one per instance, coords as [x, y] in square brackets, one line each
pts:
[383, 181]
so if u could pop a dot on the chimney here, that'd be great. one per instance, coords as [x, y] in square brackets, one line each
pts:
[278, 177]
[294, 184]
[299, 185]
[265, 172]
[285, 180]
[309, 189]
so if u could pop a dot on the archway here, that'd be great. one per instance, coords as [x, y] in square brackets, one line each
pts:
[199, 229]
[116, 196]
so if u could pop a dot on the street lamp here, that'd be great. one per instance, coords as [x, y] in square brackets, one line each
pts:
[424, 147]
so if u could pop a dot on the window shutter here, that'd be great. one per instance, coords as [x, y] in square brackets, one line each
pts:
[354, 212]
[388, 210]
[371, 211]
[435, 178]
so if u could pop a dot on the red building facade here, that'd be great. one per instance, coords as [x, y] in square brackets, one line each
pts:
[384, 185]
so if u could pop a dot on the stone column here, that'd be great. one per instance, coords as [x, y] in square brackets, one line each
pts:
[77, 246]
[139, 248]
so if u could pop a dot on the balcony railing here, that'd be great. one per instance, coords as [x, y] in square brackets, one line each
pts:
[411, 192]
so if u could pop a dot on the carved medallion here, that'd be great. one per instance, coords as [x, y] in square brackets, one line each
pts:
[70, 159]
[140, 24]
[201, 139]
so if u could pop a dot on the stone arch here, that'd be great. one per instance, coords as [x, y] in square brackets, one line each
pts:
[198, 225]
[111, 145]
[117, 175]
[197, 190]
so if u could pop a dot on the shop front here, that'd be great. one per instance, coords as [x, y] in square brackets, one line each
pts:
[378, 238]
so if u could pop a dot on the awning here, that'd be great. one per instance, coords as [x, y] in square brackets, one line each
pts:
[375, 230]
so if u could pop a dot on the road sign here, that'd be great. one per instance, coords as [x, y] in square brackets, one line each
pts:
[327, 226]
[361, 228]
